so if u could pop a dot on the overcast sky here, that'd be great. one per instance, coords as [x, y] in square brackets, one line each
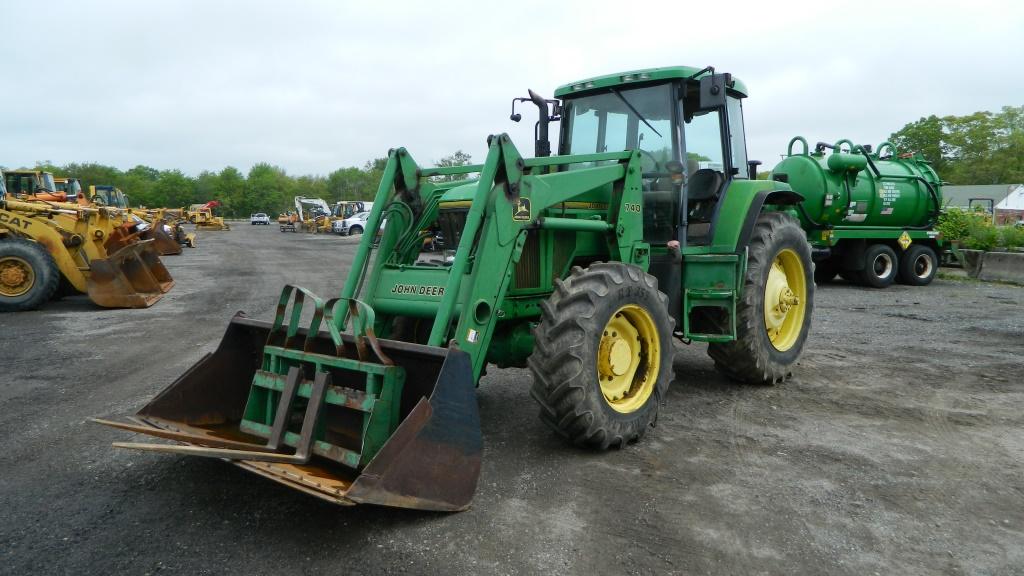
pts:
[314, 86]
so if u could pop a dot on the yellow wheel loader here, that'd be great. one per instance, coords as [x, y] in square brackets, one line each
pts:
[27, 184]
[92, 249]
[149, 228]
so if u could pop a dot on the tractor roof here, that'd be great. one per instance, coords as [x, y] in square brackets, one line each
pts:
[645, 75]
[24, 171]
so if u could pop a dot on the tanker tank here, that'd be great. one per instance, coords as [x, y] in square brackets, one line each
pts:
[869, 213]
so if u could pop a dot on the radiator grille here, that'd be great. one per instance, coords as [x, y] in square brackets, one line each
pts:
[527, 274]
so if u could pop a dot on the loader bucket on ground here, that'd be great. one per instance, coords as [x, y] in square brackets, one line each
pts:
[131, 277]
[162, 241]
[431, 461]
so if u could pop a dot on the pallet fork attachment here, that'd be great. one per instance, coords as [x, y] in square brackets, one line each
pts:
[315, 409]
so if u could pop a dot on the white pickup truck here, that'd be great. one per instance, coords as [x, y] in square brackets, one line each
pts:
[259, 218]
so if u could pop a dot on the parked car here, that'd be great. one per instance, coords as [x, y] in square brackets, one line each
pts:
[352, 225]
[259, 218]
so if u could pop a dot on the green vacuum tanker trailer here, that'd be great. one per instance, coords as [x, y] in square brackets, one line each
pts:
[869, 214]
[584, 266]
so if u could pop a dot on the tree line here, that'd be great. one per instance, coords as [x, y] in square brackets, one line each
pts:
[979, 148]
[265, 188]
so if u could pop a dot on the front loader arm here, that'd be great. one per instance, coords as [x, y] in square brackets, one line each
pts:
[509, 198]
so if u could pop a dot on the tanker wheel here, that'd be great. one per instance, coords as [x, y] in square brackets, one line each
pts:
[881, 265]
[773, 314]
[602, 358]
[28, 275]
[918, 266]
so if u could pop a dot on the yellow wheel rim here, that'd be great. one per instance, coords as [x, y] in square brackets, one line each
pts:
[628, 359]
[785, 300]
[16, 277]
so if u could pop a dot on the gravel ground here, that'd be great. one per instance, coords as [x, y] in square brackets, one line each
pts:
[897, 448]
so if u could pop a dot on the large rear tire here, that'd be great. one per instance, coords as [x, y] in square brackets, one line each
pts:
[918, 266]
[28, 275]
[602, 358]
[773, 314]
[881, 265]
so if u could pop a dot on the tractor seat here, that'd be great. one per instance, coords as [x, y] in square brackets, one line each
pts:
[704, 184]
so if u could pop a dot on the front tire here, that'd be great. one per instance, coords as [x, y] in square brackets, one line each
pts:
[28, 275]
[602, 358]
[355, 231]
[773, 314]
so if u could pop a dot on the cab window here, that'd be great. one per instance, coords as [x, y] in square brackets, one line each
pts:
[622, 119]
[737, 136]
[632, 118]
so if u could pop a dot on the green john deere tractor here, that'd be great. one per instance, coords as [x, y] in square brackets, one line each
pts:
[647, 226]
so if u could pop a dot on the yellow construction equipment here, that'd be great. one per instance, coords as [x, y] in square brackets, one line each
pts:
[173, 219]
[95, 250]
[314, 215]
[202, 216]
[288, 222]
[22, 183]
[71, 187]
[149, 229]
[349, 208]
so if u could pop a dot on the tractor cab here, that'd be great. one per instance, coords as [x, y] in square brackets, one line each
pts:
[108, 196]
[71, 187]
[687, 125]
[22, 183]
[345, 209]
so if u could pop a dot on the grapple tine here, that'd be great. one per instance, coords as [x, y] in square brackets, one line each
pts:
[192, 450]
[189, 437]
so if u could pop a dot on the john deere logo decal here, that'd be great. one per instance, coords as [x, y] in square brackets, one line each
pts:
[522, 213]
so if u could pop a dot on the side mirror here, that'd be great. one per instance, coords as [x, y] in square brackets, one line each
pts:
[712, 91]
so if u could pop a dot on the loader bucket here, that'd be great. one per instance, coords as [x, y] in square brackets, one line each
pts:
[232, 405]
[131, 277]
[163, 242]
